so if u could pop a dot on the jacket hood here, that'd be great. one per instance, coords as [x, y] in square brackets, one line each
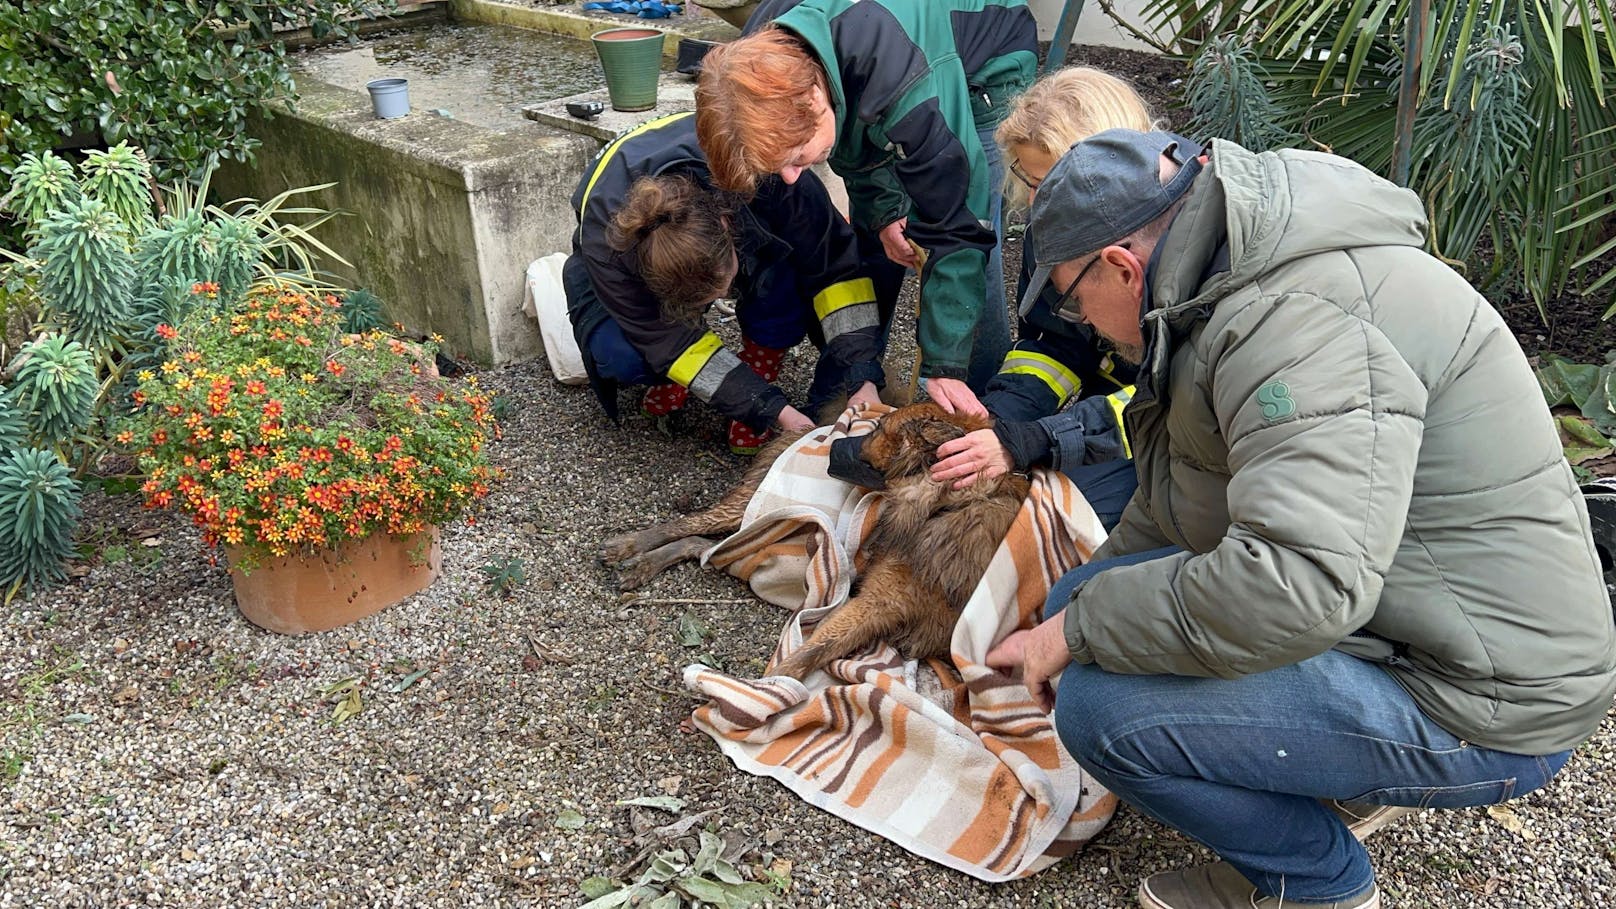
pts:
[1266, 208]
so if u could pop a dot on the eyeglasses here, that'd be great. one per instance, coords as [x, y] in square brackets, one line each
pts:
[1069, 307]
[1019, 174]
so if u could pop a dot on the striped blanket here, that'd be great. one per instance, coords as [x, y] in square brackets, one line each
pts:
[960, 768]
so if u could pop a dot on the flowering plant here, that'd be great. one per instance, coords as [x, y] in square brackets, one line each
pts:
[275, 430]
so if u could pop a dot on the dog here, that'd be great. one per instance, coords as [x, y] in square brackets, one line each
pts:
[921, 562]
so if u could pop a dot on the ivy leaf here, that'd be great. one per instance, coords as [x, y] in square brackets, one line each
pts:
[569, 819]
[597, 886]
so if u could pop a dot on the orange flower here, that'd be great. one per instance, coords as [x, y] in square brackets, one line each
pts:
[166, 332]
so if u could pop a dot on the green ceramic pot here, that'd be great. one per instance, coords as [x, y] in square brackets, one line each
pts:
[632, 59]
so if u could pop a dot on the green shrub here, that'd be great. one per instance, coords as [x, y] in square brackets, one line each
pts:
[99, 291]
[1512, 132]
[39, 507]
[361, 312]
[55, 389]
[176, 77]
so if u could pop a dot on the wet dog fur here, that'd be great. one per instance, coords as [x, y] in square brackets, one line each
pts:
[925, 556]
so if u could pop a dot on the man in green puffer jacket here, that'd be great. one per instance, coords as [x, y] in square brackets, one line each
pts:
[1357, 567]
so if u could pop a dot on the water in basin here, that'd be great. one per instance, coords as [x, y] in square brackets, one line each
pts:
[483, 74]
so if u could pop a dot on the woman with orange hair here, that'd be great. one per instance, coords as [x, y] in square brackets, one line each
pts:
[901, 98]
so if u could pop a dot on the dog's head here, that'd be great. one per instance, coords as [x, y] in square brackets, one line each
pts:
[904, 443]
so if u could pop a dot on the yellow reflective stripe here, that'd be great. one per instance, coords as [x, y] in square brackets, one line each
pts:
[690, 362]
[843, 294]
[1119, 402]
[605, 156]
[1106, 366]
[1062, 381]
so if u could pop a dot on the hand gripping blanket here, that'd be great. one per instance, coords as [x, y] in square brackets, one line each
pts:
[963, 770]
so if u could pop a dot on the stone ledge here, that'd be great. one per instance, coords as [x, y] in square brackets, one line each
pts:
[675, 93]
[570, 20]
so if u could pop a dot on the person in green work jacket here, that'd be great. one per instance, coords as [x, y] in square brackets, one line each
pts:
[901, 98]
[1357, 576]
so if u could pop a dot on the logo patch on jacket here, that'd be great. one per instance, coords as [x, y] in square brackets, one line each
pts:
[1276, 401]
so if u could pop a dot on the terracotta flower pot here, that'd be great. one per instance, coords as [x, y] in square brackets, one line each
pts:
[296, 594]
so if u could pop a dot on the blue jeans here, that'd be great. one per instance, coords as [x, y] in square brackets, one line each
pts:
[1239, 764]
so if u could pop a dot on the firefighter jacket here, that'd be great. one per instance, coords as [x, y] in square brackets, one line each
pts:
[1059, 376]
[793, 224]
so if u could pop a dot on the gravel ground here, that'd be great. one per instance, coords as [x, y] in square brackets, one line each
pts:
[157, 749]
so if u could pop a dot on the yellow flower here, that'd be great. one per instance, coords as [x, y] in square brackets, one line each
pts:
[170, 367]
[310, 378]
[145, 375]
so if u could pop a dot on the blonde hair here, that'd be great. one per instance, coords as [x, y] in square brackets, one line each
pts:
[1066, 107]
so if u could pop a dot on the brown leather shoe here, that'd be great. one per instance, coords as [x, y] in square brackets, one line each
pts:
[1364, 818]
[1219, 886]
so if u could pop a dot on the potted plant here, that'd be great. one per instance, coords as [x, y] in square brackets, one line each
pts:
[322, 461]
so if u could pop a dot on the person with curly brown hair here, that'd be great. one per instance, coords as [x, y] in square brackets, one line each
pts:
[656, 244]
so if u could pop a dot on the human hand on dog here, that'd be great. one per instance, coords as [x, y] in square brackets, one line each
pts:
[954, 396]
[791, 420]
[1039, 653]
[977, 455]
[866, 394]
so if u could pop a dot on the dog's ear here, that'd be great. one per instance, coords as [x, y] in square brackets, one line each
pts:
[917, 451]
[932, 433]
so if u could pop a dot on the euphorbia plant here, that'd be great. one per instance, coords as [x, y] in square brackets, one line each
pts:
[276, 431]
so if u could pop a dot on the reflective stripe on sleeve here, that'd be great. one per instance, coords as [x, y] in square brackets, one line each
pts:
[843, 294]
[846, 306]
[1062, 381]
[1119, 402]
[719, 367]
[685, 369]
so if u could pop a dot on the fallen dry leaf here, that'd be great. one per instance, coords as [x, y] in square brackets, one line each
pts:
[1510, 821]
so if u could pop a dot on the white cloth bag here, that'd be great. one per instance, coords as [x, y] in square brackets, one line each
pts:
[545, 299]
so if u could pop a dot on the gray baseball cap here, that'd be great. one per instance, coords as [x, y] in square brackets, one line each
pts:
[1102, 190]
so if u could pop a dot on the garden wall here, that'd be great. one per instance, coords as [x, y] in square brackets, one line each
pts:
[444, 216]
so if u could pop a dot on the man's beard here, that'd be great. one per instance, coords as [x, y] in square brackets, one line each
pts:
[1133, 353]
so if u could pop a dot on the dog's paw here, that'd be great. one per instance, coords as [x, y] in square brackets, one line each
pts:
[636, 572]
[620, 549]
